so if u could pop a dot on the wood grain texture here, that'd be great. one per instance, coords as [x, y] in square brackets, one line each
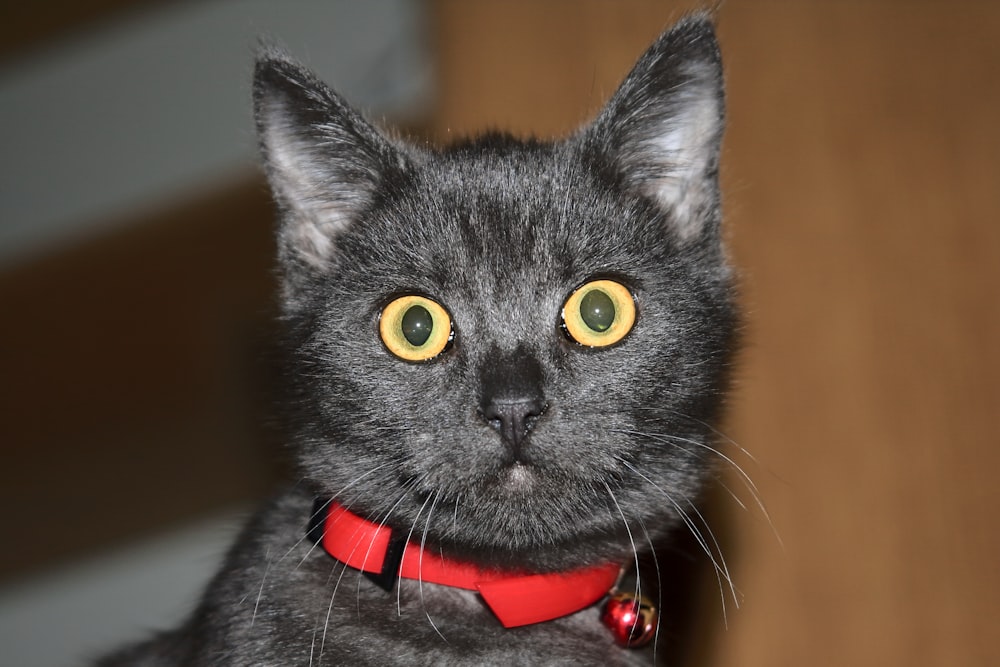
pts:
[864, 167]
[861, 171]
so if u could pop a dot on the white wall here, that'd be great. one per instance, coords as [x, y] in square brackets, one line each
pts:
[73, 614]
[157, 104]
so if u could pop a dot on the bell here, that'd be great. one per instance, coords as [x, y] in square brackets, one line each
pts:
[631, 618]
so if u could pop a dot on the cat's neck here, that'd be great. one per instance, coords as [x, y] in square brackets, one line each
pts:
[515, 598]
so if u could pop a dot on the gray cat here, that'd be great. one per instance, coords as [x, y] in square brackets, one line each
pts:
[505, 359]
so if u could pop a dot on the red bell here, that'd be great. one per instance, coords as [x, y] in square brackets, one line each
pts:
[632, 619]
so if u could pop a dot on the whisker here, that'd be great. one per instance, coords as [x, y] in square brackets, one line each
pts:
[322, 509]
[659, 583]
[718, 563]
[329, 609]
[407, 487]
[260, 591]
[744, 476]
[732, 494]
[336, 587]
[454, 516]
[718, 550]
[675, 439]
[719, 434]
[381, 523]
[399, 606]
[420, 566]
[635, 551]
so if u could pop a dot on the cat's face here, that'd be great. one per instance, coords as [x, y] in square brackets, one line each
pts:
[577, 300]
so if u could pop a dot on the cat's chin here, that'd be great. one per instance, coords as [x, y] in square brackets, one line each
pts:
[518, 478]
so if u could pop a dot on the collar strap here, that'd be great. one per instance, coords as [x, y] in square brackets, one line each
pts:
[515, 598]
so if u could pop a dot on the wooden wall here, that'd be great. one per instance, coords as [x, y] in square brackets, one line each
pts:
[861, 170]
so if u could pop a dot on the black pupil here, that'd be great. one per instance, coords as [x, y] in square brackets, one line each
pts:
[417, 324]
[597, 310]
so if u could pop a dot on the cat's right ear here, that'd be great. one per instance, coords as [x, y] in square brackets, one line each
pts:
[663, 127]
[323, 160]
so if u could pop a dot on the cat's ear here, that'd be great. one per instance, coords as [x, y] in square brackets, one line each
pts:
[662, 129]
[325, 163]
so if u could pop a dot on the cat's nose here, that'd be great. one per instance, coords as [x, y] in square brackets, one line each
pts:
[512, 398]
[513, 418]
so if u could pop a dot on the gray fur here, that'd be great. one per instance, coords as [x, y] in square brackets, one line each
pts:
[500, 232]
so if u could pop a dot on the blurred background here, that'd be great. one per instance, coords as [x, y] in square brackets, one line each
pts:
[861, 171]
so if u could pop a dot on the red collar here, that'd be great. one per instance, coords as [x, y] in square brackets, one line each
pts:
[514, 598]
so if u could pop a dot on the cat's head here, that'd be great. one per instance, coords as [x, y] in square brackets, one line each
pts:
[513, 348]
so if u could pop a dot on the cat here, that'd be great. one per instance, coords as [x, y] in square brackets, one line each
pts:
[506, 357]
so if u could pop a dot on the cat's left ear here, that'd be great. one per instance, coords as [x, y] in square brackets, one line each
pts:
[325, 164]
[662, 129]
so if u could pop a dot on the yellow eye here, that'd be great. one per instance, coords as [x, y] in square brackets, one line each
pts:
[599, 313]
[415, 328]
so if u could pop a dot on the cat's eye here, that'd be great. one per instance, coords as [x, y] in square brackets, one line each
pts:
[599, 313]
[415, 328]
